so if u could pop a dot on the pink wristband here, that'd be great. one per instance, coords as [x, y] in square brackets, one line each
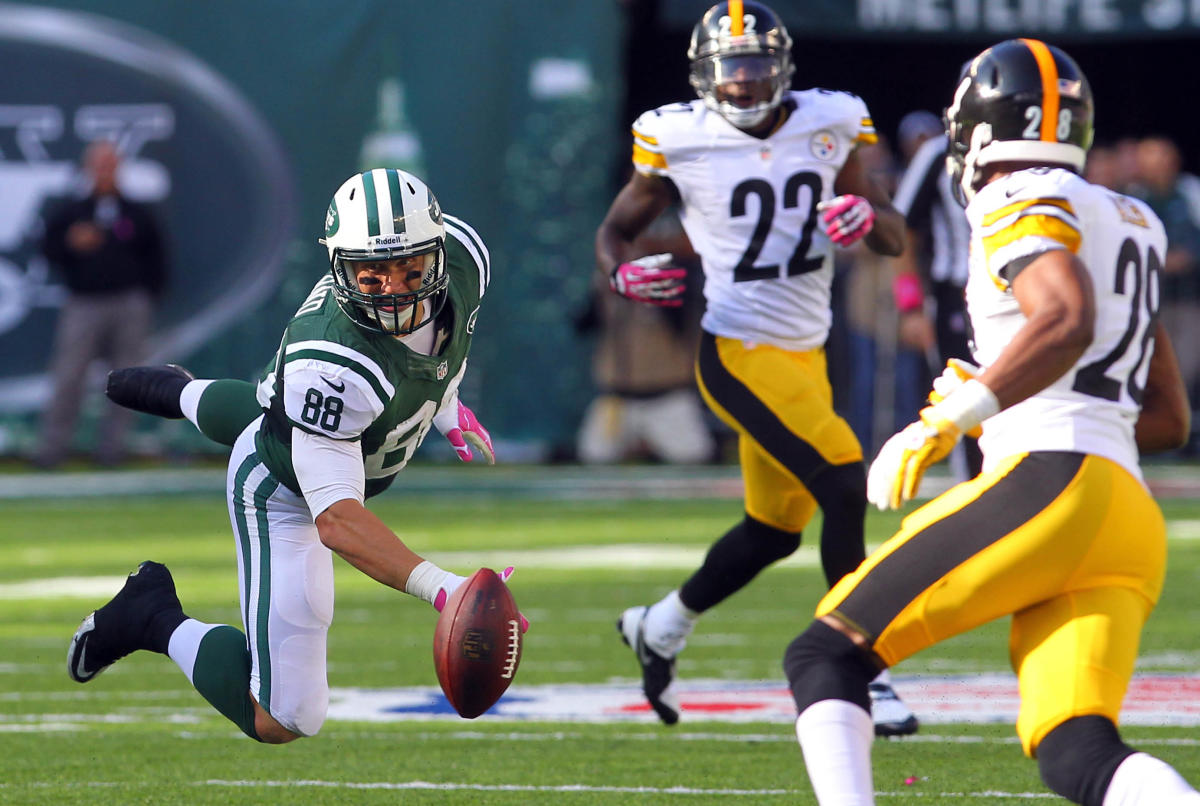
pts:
[906, 290]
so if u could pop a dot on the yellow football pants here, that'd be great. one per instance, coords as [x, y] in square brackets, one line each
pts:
[781, 406]
[1070, 545]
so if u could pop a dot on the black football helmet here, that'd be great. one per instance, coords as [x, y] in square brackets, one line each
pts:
[755, 49]
[1019, 101]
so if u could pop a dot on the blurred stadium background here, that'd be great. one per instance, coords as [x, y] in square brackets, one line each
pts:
[241, 119]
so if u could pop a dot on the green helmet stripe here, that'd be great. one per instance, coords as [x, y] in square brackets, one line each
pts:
[393, 177]
[372, 203]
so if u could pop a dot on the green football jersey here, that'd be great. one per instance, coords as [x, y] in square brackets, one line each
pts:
[334, 378]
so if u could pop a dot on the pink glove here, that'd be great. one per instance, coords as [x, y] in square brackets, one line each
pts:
[451, 583]
[847, 218]
[463, 429]
[650, 279]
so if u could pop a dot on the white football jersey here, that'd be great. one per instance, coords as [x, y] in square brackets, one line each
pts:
[1094, 406]
[749, 208]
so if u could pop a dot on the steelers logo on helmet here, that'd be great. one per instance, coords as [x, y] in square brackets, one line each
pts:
[741, 61]
[387, 223]
[1020, 101]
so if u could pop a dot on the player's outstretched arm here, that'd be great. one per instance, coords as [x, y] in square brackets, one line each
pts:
[886, 232]
[1165, 421]
[360, 538]
[332, 479]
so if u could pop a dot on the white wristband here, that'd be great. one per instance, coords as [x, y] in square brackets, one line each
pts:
[968, 405]
[425, 580]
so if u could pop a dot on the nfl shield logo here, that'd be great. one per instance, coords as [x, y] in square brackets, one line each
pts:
[442, 369]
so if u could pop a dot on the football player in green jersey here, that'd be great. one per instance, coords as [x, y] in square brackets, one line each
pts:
[372, 358]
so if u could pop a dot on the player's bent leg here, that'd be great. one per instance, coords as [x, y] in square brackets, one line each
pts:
[823, 663]
[221, 409]
[1143, 780]
[286, 585]
[841, 492]
[269, 731]
[828, 674]
[1085, 761]
[150, 390]
[217, 664]
[658, 666]
[658, 633]
[1078, 758]
[735, 559]
[143, 615]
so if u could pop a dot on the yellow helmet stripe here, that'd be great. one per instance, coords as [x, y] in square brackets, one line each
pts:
[736, 25]
[1049, 71]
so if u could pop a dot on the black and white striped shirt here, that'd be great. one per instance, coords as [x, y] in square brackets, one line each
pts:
[926, 201]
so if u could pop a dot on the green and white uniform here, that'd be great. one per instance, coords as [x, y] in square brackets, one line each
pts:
[332, 389]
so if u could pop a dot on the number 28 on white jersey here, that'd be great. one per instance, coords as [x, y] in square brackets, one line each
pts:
[1094, 406]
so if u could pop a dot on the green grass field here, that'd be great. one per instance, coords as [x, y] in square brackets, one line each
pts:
[140, 734]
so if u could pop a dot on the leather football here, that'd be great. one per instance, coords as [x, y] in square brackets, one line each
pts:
[477, 644]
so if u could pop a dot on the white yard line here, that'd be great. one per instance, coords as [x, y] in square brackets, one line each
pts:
[458, 787]
[613, 556]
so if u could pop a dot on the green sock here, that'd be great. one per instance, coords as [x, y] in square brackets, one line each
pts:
[222, 676]
[225, 409]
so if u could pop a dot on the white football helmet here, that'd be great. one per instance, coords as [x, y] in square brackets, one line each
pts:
[756, 49]
[385, 214]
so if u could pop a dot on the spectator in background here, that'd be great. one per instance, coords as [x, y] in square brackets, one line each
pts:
[1162, 185]
[109, 252]
[932, 272]
[1103, 168]
[642, 366]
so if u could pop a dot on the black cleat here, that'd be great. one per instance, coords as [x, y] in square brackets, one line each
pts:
[658, 673]
[151, 390]
[891, 716]
[142, 615]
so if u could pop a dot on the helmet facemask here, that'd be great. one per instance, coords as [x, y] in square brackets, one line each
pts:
[751, 59]
[380, 216]
[395, 314]
[720, 77]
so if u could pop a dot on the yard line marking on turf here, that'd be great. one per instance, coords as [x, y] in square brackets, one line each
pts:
[632, 556]
[41, 727]
[92, 695]
[430, 785]
[988, 794]
[620, 790]
[619, 556]
[62, 588]
[1184, 529]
